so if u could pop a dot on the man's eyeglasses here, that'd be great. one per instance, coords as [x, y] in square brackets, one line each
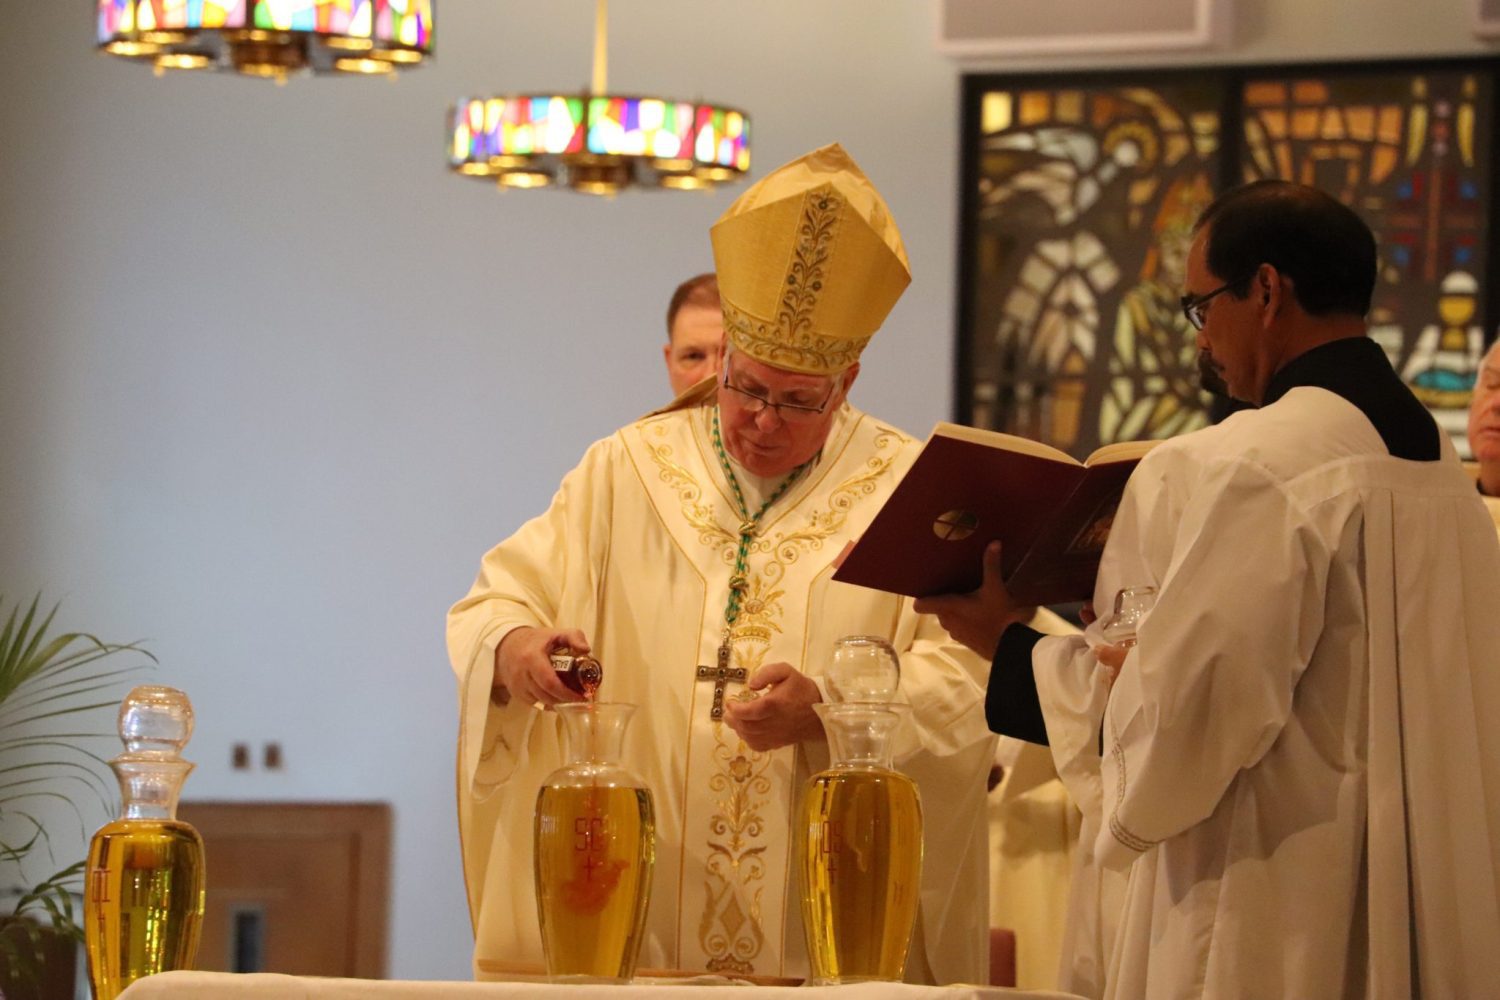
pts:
[1192, 305]
[789, 412]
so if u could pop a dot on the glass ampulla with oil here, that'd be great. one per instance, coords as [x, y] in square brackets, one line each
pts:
[143, 895]
[594, 840]
[579, 672]
[859, 828]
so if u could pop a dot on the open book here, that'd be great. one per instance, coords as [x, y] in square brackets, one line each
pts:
[969, 487]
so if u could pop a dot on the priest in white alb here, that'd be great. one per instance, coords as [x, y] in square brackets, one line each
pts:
[1300, 768]
[691, 553]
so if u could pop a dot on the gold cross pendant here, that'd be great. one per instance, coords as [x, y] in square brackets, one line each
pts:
[721, 674]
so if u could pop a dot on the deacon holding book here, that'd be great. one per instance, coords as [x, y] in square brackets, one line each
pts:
[691, 553]
[1300, 768]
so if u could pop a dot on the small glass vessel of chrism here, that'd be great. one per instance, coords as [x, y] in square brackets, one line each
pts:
[580, 673]
[859, 849]
[595, 844]
[1132, 605]
[143, 902]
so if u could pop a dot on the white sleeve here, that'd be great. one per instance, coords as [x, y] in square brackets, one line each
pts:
[520, 583]
[1209, 685]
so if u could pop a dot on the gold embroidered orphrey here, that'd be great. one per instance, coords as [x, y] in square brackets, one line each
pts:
[731, 929]
[790, 340]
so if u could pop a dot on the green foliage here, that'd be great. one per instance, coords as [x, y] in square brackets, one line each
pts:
[53, 690]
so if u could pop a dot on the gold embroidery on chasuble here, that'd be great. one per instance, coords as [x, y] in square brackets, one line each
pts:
[699, 515]
[740, 827]
[731, 929]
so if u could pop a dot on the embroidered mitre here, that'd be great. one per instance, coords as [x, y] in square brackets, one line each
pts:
[809, 263]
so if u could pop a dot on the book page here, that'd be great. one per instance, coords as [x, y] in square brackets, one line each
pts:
[1005, 442]
[1120, 451]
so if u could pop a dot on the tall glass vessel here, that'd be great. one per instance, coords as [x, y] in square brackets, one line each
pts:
[859, 844]
[595, 844]
[143, 905]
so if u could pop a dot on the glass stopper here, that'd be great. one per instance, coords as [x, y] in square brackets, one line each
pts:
[155, 721]
[864, 668]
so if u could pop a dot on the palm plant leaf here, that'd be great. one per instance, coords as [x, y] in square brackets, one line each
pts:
[55, 699]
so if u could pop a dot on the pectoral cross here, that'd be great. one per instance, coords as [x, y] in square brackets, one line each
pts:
[721, 674]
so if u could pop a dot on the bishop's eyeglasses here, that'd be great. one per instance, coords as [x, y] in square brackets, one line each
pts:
[755, 401]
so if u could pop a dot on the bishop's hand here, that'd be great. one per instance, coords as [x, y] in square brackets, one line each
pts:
[523, 670]
[782, 714]
[978, 618]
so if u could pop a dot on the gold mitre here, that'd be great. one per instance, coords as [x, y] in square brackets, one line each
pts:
[809, 263]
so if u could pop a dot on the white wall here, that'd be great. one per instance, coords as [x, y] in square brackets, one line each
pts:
[271, 380]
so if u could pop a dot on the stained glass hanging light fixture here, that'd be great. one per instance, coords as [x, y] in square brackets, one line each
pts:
[269, 38]
[597, 142]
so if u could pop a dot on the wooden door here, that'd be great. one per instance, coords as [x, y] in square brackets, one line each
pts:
[297, 888]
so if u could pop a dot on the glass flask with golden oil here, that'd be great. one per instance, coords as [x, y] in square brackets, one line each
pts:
[859, 850]
[143, 898]
[595, 845]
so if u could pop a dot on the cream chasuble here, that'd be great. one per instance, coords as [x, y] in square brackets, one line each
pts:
[637, 550]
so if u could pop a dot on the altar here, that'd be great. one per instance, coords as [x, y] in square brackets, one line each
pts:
[268, 986]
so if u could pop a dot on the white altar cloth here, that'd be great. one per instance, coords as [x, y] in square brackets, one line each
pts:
[268, 986]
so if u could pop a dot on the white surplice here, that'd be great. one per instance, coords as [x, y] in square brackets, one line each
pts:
[1073, 691]
[637, 550]
[1302, 766]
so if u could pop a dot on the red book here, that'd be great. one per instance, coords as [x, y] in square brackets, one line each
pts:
[968, 487]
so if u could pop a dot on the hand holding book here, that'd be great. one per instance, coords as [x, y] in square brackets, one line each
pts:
[977, 618]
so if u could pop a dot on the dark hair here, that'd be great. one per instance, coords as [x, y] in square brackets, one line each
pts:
[1311, 237]
[699, 290]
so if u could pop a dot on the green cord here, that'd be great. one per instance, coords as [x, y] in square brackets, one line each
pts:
[739, 582]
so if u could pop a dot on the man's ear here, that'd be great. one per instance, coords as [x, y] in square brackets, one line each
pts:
[849, 376]
[1271, 288]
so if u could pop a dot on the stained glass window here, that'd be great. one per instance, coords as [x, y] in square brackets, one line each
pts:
[1082, 202]
[1406, 150]
[1079, 197]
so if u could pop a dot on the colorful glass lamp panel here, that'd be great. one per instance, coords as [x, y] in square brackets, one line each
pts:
[351, 18]
[476, 133]
[286, 15]
[128, 16]
[115, 16]
[404, 22]
[541, 125]
[516, 126]
[634, 126]
[723, 138]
